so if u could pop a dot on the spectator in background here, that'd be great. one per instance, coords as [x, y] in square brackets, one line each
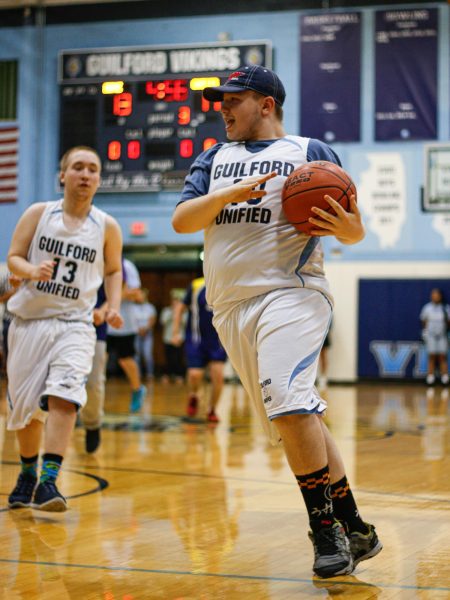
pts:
[202, 347]
[122, 341]
[435, 318]
[146, 318]
[174, 354]
[92, 413]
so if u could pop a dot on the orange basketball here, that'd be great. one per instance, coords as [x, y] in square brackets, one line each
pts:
[306, 187]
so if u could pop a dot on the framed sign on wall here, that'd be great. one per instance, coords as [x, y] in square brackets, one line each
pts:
[436, 196]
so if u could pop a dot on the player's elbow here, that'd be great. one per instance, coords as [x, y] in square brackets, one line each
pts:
[177, 224]
[181, 224]
[11, 262]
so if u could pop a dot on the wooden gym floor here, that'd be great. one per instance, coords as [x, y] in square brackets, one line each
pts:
[177, 509]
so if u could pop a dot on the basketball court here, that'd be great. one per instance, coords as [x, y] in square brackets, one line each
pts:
[176, 508]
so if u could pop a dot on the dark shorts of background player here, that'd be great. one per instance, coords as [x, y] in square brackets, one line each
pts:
[121, 345]
[327, 341]
[199, 355]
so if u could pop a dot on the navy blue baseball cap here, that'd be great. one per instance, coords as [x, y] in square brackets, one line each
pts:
[255, 77]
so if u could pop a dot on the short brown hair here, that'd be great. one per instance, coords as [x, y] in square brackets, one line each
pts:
[64, 162]
[278, 107]
[279, 112]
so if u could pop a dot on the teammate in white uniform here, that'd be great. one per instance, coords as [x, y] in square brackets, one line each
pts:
[62, 250]
[435, 318]
[271, 301]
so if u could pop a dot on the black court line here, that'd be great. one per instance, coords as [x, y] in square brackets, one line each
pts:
[102, 484]
[324, 583]
[418, 498]
[251, 480]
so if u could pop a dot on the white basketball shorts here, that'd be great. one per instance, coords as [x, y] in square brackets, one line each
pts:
[47, 357]
[273, 342]
[436, 343]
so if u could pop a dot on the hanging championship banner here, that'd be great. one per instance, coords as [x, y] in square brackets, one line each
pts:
[330, 91]
[406, 50]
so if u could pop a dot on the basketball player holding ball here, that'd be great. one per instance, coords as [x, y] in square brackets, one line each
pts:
[271, 302]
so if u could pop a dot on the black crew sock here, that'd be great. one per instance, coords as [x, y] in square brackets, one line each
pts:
[345, 508]
[29, 465]
[315, 489]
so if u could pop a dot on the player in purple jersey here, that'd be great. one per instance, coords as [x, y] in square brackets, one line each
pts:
[202, 347]
[271, 302]
[92, 413]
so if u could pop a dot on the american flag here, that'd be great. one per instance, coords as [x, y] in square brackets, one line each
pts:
[9, 160]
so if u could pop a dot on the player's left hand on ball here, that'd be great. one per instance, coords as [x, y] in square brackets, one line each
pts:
[346, 226]
[114, 318]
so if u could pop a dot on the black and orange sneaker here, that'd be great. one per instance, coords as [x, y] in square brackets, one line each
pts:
[192, 406]
[332, 554]
[364, 546]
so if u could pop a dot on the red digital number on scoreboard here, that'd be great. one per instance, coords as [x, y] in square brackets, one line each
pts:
[207, 105]
[184, 115]
[186, 148]
[209, 142]
[114, 150]
[123, 104]
[169, 90]
[134, 149]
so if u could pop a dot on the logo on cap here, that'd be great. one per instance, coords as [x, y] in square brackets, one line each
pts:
[235, 75]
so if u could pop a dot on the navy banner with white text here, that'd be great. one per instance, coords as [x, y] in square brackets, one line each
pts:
[330, 84]
[406, 50]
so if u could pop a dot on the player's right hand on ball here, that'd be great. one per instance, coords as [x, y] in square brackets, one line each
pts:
[247, 189]
[43, 271]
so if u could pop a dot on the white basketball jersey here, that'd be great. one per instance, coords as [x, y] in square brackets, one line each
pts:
[250, 248]
[72, 292]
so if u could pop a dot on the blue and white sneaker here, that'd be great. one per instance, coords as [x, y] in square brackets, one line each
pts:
[137, 399]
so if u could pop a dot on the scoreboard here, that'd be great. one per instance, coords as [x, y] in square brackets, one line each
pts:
[142, 108]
